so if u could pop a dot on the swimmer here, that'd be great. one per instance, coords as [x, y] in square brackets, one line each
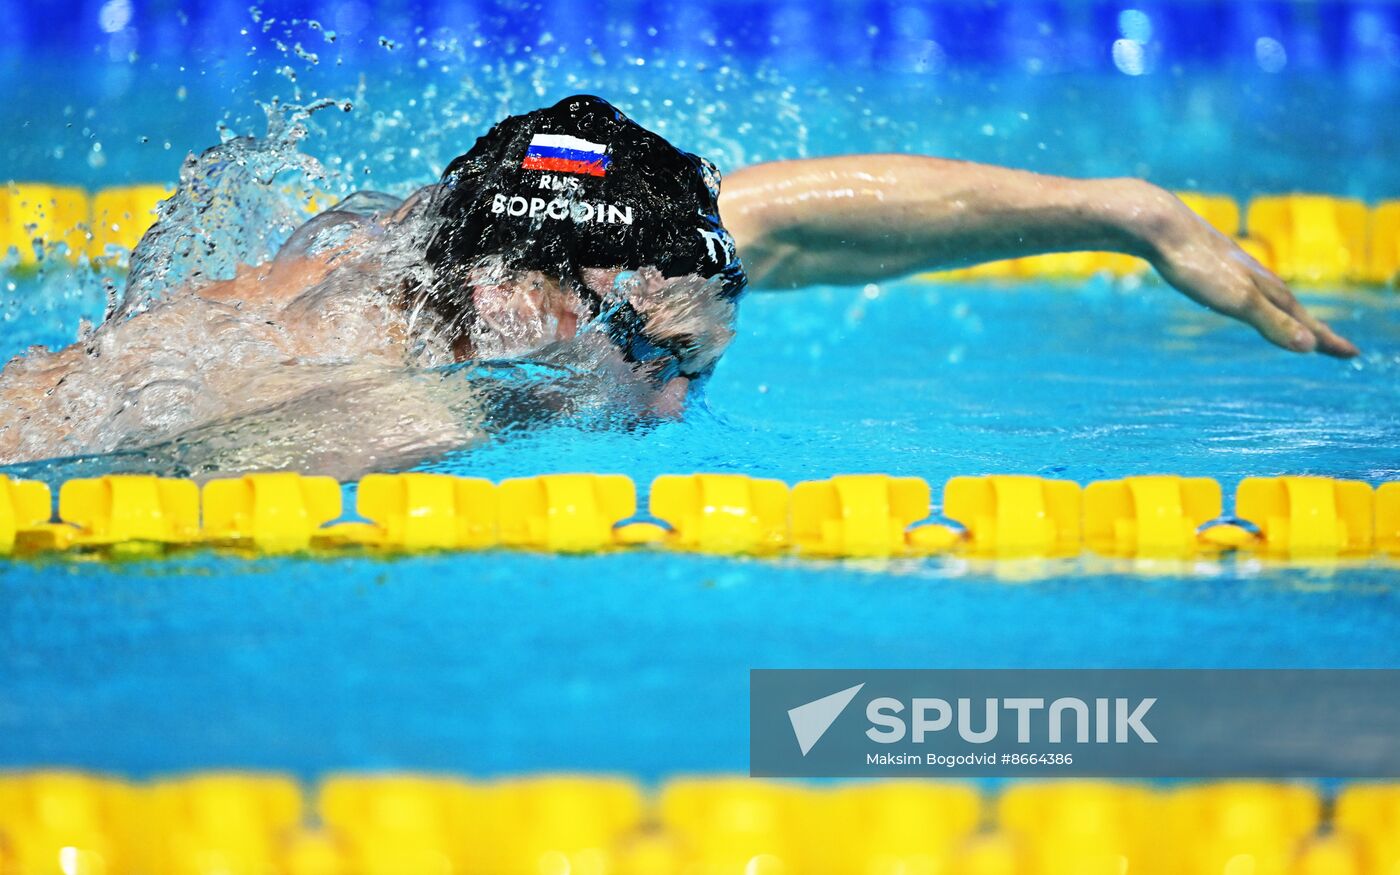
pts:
[569, 235]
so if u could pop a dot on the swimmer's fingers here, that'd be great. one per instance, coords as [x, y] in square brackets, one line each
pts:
[1278, 327]
[1227, 286]
[1328, 341]
[1212, 270]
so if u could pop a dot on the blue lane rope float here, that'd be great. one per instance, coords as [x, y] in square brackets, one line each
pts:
[1305, 238]
[854, 515]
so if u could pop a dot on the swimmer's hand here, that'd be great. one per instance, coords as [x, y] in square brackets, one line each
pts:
[864, 218]
[1210, 268]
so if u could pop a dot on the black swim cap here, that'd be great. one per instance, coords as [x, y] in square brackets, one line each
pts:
[580, 185]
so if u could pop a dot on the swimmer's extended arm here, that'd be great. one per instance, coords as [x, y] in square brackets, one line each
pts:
[862, 218]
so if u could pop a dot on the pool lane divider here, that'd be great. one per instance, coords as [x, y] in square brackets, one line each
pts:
[387, 823]
[41, 221]
[1305, 238]
[847, 516]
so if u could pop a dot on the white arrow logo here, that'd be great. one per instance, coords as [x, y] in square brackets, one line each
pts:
[811, 721]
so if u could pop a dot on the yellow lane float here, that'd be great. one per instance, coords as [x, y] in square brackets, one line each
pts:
[1383, 261]
[1309, 515]
[125, 508]
[24, 506]
[722, 513]
[36, 216]
[847, 516]
[270, 513]
[420, 512]
[566, 513]
[857, 514]
[1312, 238]
[121, 216]
[1016, 515]
[1150, 516]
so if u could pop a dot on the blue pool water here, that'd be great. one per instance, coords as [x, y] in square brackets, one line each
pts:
[487, 664]
[507, 662]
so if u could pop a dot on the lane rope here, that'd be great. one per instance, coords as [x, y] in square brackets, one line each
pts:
[854, 515]
[227, 821]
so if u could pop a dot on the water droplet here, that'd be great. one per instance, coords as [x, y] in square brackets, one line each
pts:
[1270, 54]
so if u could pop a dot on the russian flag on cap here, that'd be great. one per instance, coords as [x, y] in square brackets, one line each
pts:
[564, 154]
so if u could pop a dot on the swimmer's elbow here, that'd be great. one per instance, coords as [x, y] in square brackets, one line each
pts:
[773, 267]
[777, 259]
[789, 268]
